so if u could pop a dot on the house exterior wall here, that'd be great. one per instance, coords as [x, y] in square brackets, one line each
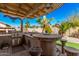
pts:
[2, 25]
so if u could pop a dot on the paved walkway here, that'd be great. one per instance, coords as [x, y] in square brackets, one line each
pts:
[71, 39]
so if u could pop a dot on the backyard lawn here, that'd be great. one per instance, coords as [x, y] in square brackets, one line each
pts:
[70, 44]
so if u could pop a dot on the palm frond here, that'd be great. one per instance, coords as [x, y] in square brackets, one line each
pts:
[39, 20]
[50, 20]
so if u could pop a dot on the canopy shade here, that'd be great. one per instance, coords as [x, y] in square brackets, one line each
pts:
[29, 10]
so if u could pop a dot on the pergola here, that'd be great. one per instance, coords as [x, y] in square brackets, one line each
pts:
[28, 10]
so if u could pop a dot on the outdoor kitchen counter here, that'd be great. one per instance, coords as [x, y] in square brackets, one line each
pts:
[48, 43]
[5, 38]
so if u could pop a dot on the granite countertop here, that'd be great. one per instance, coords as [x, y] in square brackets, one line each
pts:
[46, 35]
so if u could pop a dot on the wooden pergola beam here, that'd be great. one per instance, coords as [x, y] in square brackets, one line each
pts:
[13, 9]
[11, 13]
[30, 9]
[17, 9]
[34, 10]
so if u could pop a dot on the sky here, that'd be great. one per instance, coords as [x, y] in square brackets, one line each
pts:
[61, 14]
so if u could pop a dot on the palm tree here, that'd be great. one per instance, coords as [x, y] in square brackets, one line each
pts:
[45, 24]
[27, 25]
[75, 21]
[64, 27]
[71, 23]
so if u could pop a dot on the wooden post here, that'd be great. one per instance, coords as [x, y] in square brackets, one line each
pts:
[21, 26]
